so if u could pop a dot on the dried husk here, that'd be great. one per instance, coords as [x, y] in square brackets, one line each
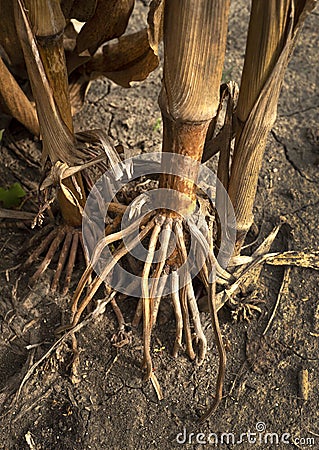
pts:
[264, 71]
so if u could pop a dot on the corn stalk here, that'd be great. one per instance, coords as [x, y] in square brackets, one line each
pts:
[194, 49]
[273, 30]
[46, 65]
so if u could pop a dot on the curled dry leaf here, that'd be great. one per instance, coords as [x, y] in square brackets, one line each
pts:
[99, 30]
[81, 10]
[155, 24]
[79, 84]
[129, 59]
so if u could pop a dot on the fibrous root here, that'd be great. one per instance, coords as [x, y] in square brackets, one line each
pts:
[168, 237]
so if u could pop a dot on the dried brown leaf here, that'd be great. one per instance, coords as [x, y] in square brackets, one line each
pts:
[78, 87]
[249, 275]
[268, 27]
[155, 24]
[108, 22]
[81, 10]
[129, 59]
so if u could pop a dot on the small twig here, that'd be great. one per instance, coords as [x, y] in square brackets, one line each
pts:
[10, 269]
[156, 386]
[283, 290]
[100, 308]
[13, 214]
[304, 358]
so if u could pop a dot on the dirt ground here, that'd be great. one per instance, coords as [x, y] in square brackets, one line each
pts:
[111, 407]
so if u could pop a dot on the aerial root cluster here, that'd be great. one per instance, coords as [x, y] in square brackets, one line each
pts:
[63, 240]
[159, 228]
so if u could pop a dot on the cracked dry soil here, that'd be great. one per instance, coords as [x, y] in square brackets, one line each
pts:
[111, 407]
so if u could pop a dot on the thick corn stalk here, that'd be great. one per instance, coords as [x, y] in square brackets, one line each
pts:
[194, 49]
[48, 24]
[272, 33]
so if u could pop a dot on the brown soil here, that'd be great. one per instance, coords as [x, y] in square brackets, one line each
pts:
[111, 407]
